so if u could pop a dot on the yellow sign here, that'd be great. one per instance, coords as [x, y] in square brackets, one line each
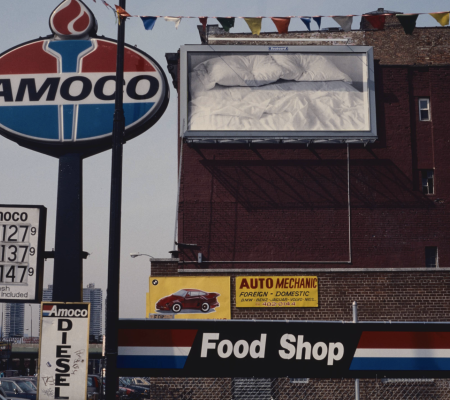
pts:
[200, 297]
[277, 291]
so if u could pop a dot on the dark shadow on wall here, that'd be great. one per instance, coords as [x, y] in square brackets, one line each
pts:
[316, 184]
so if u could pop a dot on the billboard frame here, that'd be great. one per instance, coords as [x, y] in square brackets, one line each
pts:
[368, 136]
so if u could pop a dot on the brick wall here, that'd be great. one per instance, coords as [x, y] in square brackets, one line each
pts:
[381, 296]
[289, 202]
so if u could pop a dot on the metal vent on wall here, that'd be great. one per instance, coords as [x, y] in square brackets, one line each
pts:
[252, 389]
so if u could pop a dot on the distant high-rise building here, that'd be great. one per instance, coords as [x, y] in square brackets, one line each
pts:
[13, 319]
[47, 294]
[94, 295]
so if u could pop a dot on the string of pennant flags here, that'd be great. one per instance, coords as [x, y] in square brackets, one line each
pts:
[408, 21]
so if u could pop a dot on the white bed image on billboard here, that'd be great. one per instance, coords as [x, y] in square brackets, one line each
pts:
[309, 92]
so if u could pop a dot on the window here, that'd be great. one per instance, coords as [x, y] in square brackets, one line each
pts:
[428, 181]
[424, 110]
[431, 257]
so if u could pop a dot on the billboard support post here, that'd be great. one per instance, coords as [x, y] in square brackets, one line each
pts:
[69, 230]
[355, 321]
[112, 296]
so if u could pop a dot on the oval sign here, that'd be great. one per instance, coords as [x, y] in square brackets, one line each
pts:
[58, 96]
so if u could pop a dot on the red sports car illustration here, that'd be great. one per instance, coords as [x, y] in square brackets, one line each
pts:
[192, 299]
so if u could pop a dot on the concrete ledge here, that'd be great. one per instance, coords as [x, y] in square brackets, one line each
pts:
[308, 270]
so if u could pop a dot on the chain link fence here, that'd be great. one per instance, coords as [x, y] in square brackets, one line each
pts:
[297, 388]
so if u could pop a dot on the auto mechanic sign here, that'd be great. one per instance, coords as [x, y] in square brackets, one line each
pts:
[22, 240]
[283, 349]
[63, 351]
[57, 94]
[277, 291]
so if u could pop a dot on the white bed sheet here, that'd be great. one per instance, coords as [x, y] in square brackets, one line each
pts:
[281, 106]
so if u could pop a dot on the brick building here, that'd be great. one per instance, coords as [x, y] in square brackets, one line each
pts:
[282, 208]
[376, 233]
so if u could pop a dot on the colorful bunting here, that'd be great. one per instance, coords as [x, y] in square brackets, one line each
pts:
[318, 20]
[254, 24]
[121, 12]
[377, 21]
[282, 24]
[442, 17]
[226, 23]
[408, 22]
[149, 22]
[345, 22]
[203, 21]
[176, 20]
[307, 22]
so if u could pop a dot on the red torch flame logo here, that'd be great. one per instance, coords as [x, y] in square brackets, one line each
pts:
[71, 19]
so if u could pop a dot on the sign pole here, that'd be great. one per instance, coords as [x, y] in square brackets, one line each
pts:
[68, 267]
[112, 294]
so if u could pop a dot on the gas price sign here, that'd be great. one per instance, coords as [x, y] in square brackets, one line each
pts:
[22, 241]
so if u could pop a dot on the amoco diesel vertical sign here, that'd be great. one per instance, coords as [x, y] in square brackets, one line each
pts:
[63, 351]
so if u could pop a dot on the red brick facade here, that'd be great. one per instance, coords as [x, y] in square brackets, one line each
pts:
[282, 209]
[286, 206]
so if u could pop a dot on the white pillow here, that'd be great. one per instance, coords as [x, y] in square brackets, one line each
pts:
[318, 68]
[228, 70]
[292, 68]
[199, 82]
[265, 70]
[240, 70]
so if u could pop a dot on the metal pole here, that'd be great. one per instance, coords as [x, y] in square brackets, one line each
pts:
[31, 319]
[112, 293]
[355, 321]
[68, 268]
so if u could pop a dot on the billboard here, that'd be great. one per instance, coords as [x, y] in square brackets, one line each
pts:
[307, 93]
[277, 291]
[199, 297]
[270, 349]
[63, 351]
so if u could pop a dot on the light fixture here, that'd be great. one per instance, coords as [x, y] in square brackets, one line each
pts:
[134, 255]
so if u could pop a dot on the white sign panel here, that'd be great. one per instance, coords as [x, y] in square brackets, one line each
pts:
[63, 351]
[22, 239]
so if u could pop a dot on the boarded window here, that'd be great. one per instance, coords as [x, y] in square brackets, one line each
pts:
[431, 257]
[428, 181]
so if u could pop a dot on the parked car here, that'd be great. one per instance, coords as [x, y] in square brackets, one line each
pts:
[17, 388]
[140, 387]
[188, 299]
[94, 386]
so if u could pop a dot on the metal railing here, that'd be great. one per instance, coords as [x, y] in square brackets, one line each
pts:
[298, 389]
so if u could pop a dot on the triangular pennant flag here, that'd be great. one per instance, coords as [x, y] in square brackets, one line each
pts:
[226, 23]
[120, 11]
[344, 22]
[149, 22]
[307, 22]
[442, 17]
[254, 24]
[318, 20]
[176, 20]
[282, 24]
[203, 21]
[377, 21]
[408, 22]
